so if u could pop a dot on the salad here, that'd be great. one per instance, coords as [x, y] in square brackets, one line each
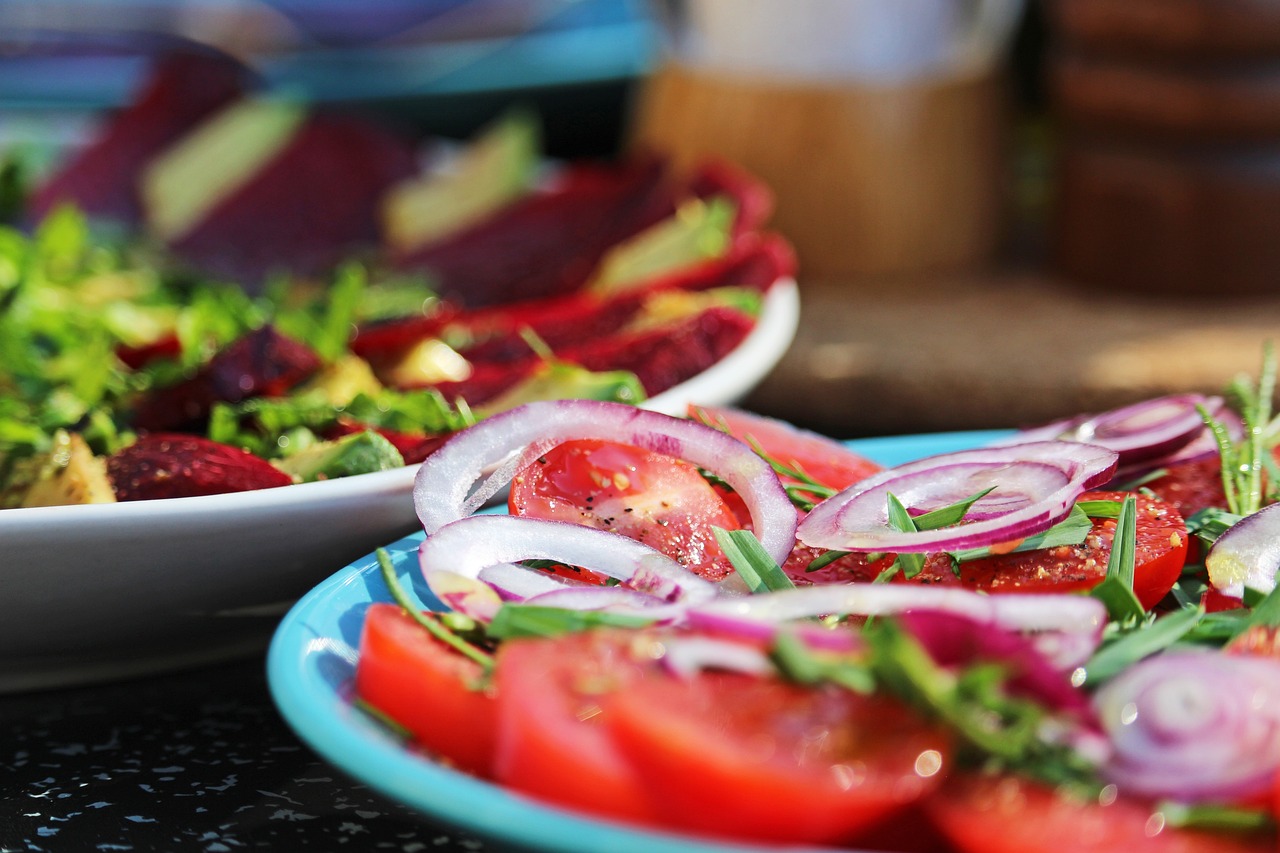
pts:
[162, 336]
[727, 627]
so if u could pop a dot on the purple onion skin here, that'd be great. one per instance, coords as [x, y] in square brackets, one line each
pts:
[1248, 554]
[953, 640]
[1194, 726]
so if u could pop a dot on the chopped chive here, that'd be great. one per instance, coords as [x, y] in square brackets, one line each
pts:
[756, 568]
[910, 564]
[433, 626]
[529, 620]
[1116, 590]
[1132, 647]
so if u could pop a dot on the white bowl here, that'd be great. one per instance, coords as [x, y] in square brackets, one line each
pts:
[104, 591]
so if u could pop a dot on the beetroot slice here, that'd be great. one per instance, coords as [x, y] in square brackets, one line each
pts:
[164, 465]
[102, 179]
[262, 363]
[664, 357]
[548, 244]
[312, 205]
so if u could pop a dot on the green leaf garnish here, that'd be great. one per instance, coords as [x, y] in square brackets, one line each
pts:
[900, 519]
[1128, 648]
[752, 563]
[1072, 530]
[1116, 590]
[433, 626]
[1215, 816]
[531, 620]
[805, 665]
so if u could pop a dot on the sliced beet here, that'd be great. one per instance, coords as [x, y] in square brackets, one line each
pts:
[262, 363]
[102, 179]
[309, 207]
[180, 466]
[548, 243]
[669, 355]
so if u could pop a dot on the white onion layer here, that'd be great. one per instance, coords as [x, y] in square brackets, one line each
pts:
[1194, 726]
[1035, 486]
[445, 488]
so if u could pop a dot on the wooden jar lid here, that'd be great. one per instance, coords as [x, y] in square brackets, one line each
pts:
[1206, 28]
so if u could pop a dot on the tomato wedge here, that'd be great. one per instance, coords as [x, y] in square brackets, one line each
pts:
[1004, 814]
[751, 758]
[827, 461]
[551, 741]
[658, 500]
[1159, 557]
[427, 687]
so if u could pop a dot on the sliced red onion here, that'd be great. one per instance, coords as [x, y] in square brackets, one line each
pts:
[1144, 430]
[445, 487]
[1194, 726]
[1035, 487]
[1247, 555]
[465, 553]
[688, 655]
[1064, 628]
[1203, 446]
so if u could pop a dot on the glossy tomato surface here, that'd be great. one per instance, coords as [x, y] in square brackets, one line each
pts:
[658, 500]
[739, 756]
[827, 461]
[551, 740]
[427, 687]
[999, 814]
[1159, 557]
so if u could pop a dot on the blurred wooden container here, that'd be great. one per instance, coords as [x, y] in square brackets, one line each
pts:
[870, 178]
[1169, 168]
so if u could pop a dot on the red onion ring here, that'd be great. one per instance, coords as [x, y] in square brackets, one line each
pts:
[1194, 726]
[1141, 431]
[1036, 485]
[1247, 555]
[686, 656]
[1066, 629]
[459, 557]
[445, 487]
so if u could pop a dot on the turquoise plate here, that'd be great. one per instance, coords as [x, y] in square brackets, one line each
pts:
[311, 666]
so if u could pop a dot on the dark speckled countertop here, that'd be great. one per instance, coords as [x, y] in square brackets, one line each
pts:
[194, 761]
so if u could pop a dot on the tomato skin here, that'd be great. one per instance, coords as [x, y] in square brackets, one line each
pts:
[658, 500]
[748, 758]
[827, 461]
[426, 687]
[1161, 552]
[1004, 814]
[551, 741]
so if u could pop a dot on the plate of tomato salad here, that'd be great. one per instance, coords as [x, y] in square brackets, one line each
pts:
[320, 669]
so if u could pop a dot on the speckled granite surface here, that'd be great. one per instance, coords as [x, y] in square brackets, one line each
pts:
[198, 761]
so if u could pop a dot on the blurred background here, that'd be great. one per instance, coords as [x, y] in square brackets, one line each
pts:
[1005, 211]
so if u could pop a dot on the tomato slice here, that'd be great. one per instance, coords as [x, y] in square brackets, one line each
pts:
[658, 500]
[428, 688]
[551, 742]
[999, 814]
[750, 758]
[827, 461]
[1159, 557]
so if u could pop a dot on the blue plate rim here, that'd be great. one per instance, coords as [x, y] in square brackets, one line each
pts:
[321, 715]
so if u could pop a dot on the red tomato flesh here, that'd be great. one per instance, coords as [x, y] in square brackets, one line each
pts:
[827, 461]
[998, 814]
[658, 500]
[427, 687]
[551, 742]
[1159, 557]
[748, 758]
